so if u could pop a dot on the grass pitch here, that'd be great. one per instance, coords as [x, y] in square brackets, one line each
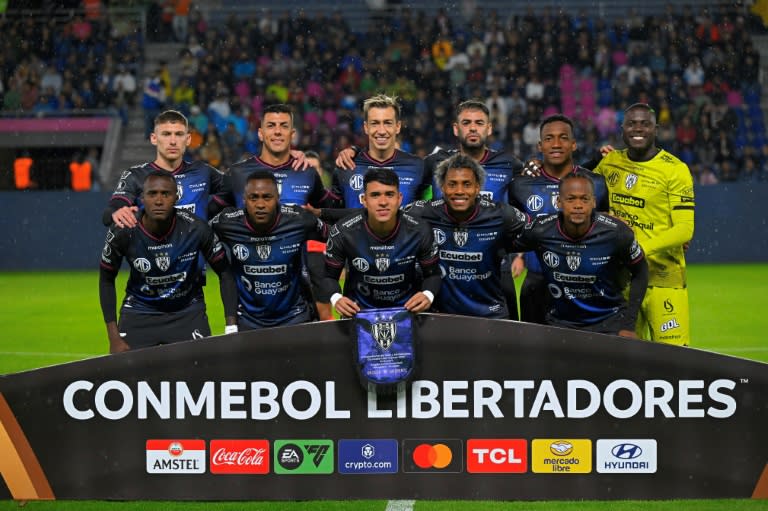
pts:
[50, 318]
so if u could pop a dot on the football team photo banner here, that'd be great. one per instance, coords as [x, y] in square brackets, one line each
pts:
[492, 410]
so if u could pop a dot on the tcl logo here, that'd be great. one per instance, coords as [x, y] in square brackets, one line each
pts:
[239, 456]
[497, 455]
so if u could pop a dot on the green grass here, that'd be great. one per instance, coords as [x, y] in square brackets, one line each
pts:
[54, 317]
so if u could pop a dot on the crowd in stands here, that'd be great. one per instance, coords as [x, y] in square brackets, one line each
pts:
[699, 69]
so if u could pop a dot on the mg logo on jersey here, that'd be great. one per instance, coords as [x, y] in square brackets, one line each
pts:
[490, 455]
[630, 181]
[551, 259]
[382, 263]
[142, 265]
[356, 182]
[440, 236]
[461, 236]
[534, 203]
[263, 251]
[241, 252]
[573, 261]
[163, 261]
[384, 333]
[360, 264]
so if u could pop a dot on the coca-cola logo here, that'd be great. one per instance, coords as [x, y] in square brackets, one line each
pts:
[239, 457]
[248, 456]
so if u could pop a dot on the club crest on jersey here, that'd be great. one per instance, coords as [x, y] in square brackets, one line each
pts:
[241, 252]
[384, 333]
[573, 261]
[630, 181]
[534, 203]
[179, 191]
[263, 251]
[356, 182]
[439, 236]
[461, 236]
[554, 198]
[163, 261]
[382, 263]
[360, 264]
[279, 188]
[551, 259]
[141, 264]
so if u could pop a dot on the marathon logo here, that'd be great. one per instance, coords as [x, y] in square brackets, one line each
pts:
[468, 257]
[574, 279]
[269, 269]
[386, 279]
[168, 279]
[627, 200]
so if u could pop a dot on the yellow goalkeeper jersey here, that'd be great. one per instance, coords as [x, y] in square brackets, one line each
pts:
[656, 199]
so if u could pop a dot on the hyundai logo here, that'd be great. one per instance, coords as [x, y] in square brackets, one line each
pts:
[626, 451]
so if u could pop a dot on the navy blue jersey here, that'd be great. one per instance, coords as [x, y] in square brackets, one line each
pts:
[381, 272]
[470, 255]
[537, 196]
[414, 181]
[268, 267]
[586, 276]
[501, 167]
[166, 272]
[196, 184]
[294, 186]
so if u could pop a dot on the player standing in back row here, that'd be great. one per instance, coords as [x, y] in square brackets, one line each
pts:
[652, 191]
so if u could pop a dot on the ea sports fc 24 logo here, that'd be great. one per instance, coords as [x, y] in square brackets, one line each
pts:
[432, 455]
[303, 456]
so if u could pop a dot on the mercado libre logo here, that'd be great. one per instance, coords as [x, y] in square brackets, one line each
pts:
[432, 455]
[303, 456]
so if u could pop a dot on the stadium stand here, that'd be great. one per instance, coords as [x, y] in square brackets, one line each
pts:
[587, 62]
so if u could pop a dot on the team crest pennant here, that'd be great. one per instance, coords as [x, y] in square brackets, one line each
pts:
[163, 261]
[384, 344]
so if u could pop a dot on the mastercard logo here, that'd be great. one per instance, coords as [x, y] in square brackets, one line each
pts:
[432, 456]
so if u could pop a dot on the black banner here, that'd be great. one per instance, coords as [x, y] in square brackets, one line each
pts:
[497, 410]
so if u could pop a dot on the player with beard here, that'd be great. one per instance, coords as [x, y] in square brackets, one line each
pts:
[652, 191]
[164, 300]
[537, 196]
[382, 247]
[472, 127]
[588, 259]
[472, 233]
[264, 241]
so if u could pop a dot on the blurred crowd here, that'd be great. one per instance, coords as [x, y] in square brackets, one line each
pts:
[699, 69]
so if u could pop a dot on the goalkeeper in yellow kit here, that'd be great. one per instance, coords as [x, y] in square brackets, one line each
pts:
[652, 191]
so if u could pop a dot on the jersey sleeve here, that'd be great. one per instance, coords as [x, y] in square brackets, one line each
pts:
[514, 224]
[681, 206]
[314, 228]
[221, 189]
[113, 252]
[128, 189]
[212, 248]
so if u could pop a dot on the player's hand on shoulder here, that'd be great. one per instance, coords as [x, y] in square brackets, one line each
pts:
[532, 168]
[315, 211]
[125, 216]
[346, 158]
[299, 160]
[604, 150]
